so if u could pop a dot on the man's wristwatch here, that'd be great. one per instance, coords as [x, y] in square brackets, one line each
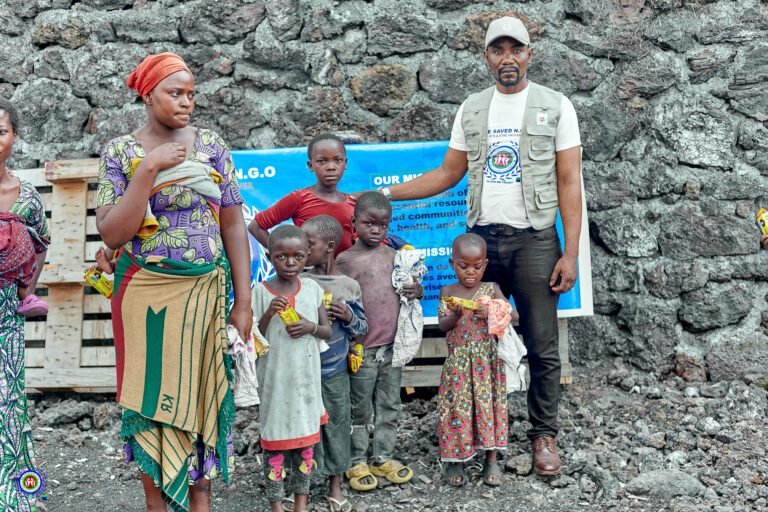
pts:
[385, 192]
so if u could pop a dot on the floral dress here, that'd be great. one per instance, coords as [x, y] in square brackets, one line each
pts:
[188, 227]
[472, 399]
[15, 432]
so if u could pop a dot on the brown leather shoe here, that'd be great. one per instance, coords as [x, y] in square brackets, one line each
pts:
[546, 460]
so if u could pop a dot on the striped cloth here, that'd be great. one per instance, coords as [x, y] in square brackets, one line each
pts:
[173, 377]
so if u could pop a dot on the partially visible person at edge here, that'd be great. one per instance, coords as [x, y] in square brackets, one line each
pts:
[520, 143]
[24, 240]
[764, 241]
[169, 197]
[327, 160]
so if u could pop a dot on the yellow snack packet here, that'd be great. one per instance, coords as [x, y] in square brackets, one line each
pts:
[762, 220]
[356, 358]
[327, 301]
[464, 303]
[100, 283]
[289, 315]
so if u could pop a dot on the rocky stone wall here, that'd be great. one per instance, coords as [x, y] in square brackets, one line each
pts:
[672, 97]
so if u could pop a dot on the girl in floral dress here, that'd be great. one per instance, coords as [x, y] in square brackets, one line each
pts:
[472, 399]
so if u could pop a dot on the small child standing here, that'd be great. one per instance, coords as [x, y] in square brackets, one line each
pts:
[291, 410]
[472, 399]
[345, 311]
[327, 160]
[376, 386]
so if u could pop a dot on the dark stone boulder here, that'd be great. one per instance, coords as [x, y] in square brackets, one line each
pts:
[698, 129]
[624, 232]
[450, 77]
[70, 29]
[324, 23]
[738, 357]
[285, 19]
[51, 112]
[99, 72]
[223, 21]
[668, 278]
[407, 33]
[716, 305]
[565, 70]
[604, 129]
[146, 26]
[13, 65]
[651, 75]
[422, 122]
[705, 228]
[53, 63]
[384, 87]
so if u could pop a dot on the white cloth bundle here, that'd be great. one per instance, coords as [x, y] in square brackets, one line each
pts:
[511, 352]
[244, 357]
[409, 266]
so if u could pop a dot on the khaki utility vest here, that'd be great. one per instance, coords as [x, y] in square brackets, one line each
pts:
[537, 152]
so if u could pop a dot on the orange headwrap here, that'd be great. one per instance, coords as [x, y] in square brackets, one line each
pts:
[152, 70]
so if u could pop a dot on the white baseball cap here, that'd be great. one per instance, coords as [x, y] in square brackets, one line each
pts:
[507, 27]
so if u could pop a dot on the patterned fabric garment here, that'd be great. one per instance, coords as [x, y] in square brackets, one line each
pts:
[187, 227]
[472, 399]
[15, 432]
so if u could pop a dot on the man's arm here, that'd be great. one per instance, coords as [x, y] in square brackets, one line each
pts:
[569, 198]
[438, 180]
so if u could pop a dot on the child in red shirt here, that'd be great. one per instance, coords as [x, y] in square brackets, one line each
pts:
[328, 160]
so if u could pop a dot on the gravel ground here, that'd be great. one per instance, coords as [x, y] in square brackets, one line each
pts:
[630, 441]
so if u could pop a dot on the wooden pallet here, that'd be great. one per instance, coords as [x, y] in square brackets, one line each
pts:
[73, 347]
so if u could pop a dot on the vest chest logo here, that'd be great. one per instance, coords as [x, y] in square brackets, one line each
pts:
[502, 159]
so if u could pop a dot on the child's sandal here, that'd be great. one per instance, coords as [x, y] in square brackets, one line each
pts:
[357, 473]
[391, 470]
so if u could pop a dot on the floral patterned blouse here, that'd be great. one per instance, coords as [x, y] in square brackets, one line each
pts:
[188, 229]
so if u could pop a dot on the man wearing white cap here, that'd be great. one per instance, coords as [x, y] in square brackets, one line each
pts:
[520, 144]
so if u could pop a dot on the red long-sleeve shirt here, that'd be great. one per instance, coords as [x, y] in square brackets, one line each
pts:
[303, 204]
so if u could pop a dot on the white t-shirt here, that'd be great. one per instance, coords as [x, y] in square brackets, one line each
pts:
[502, 200]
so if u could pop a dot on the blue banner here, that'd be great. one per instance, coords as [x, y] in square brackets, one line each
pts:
[430, 225]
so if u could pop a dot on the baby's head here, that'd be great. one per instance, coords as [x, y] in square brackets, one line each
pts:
[469, 259]
[9, 127]
[327, 159]
[373, 212]
[324, 234]
[287, 249]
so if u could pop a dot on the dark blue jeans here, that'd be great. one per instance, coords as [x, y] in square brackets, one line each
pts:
[521, 261]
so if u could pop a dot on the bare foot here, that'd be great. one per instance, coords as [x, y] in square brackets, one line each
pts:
[491, 477]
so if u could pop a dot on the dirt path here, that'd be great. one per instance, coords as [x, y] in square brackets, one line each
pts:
[629, 442]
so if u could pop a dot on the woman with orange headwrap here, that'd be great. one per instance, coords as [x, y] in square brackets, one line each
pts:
[169, 197]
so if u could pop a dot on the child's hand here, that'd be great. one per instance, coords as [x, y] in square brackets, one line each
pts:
[412, 291]
[481, 311]
[103, 263]
[278, 304]
[300, 328]
[764, 241]
[455, 307]
[341, 311]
